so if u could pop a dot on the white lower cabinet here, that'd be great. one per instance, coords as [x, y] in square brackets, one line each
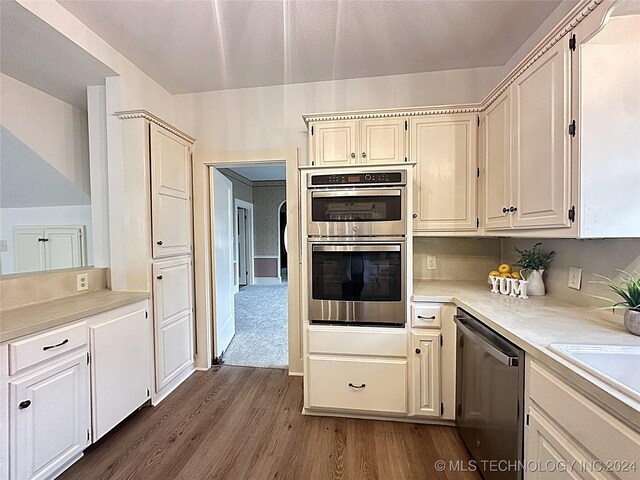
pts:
[49, 420]
[425, 374]
[120, 348]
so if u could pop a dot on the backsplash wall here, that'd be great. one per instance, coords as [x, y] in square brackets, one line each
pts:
[456, 258]
[601, 256]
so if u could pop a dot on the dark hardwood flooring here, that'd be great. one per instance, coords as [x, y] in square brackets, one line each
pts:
[241, 423]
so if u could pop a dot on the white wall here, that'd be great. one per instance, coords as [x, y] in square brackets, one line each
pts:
[53, 129]
[71, 215]
[270, 117]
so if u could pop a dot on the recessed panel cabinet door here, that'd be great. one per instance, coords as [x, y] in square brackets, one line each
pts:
[335, 143]
[382, 140]
[541, 167]
[174, 322]
[170, 193]
[49, 418]
[64, 248]
[29, 253]
[497, 154]
[444, 148]
[425, 374]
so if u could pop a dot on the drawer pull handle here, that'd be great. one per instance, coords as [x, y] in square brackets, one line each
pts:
[25, 404]
[357, 386]
[432, 317]
[49, 347]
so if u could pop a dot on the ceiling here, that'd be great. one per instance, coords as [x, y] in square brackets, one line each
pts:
[260, 173]
[36, 54]
[193, 46]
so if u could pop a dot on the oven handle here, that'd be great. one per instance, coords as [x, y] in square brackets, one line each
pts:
[482, 342]
[370, 192]
[356, 248]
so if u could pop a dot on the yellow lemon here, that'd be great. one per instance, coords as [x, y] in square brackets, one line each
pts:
[494, 273]
[504, 268]
[516, 275]
[505, 275]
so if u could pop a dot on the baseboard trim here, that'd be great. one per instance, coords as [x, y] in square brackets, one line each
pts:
[296, 374]
[390, 418]
[175, 383]
[266, 281]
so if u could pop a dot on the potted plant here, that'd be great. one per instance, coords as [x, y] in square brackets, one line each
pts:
[629, 292]
[534, 262]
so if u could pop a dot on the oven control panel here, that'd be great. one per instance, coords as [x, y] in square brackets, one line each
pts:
[377, 178]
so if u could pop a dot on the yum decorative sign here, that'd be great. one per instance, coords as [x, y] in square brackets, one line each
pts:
[509, 286]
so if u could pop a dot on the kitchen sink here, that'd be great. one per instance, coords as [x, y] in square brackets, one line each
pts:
[615, 365]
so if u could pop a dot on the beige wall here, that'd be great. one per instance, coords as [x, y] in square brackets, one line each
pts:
[593, 256]
[266, 199]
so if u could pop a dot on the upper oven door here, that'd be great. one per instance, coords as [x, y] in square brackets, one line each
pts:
[357, 212]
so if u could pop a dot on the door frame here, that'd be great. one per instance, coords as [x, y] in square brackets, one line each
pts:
[248, 235]
[203, 253]
[280, 242]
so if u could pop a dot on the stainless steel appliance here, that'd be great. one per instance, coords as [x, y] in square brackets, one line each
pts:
[357, 204]
[489, 393]
[357, 283]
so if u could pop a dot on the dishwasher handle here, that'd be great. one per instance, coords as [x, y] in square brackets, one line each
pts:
[486, 344]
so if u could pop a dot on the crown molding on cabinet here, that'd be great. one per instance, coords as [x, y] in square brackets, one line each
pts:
[570, 22]
[128, 114]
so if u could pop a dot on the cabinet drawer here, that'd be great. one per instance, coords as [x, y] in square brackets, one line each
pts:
[358, 341]
[334, 381]
[25, 353]
[604, 436]
[426, 315]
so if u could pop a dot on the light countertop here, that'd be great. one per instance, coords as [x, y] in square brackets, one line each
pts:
[534, 324]
[30, 319]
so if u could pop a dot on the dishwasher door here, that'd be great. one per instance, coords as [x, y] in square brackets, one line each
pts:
[489, 393]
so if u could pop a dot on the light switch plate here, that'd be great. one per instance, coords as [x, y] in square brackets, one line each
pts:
[3, 245]
[575, 278]
[431, 262]
[82, 282]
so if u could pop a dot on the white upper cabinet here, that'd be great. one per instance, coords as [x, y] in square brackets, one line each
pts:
[445, 180]
[497, 156]
[170, 193]
[541, 163]
[350, 142]
[48, 248]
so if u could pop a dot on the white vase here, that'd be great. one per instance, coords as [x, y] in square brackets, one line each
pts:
[536, 283]
[632, 321]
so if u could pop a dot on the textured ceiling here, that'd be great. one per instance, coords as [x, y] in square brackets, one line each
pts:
[191, 46]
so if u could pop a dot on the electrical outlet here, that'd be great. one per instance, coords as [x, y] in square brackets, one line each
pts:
[575, 278]
[82, 282]
[431, 262]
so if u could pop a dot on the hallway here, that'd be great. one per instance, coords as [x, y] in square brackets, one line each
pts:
[261, 327]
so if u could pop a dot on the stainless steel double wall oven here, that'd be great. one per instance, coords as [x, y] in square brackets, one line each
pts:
[357, 237]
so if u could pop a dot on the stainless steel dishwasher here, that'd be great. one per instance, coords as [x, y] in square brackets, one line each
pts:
[490, 394]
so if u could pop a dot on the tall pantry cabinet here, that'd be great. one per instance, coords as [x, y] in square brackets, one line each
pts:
[157, 226]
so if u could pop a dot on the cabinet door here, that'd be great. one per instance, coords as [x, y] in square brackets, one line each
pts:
[173, 316]
[382, 140]
[49, 418]
[28, 249]
[64, 247]
[335, 143]
[445, 180]
[425, 374]
[170, 193]
[541, 165]
[497, 157]
[120, 368]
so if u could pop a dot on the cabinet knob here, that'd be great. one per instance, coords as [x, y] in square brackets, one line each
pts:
[415, 215]
[505, 210]
[364, 155]
[513, 209]
[159, 277]
[353, 154]
[418, 351]
[24, 404]
[159, 242]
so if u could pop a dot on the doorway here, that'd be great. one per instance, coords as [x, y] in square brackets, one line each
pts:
[243, 258]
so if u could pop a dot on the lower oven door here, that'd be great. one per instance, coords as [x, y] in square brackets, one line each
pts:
[357, 284]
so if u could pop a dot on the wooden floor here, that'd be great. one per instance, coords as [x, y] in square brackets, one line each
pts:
[241, 423]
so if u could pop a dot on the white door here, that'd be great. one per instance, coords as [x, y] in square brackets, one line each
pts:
[243, 271]
[63, 247]
[541, 166]
[445, 181]
[425, 374]
[222, 224]
[170, 193]
[173, 316]
[382, 140]
[334, 143]
[28, 249]
[49, 418]
[120, 368]
[497, 158]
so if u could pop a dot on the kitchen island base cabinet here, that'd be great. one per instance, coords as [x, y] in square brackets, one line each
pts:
[49, 418]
